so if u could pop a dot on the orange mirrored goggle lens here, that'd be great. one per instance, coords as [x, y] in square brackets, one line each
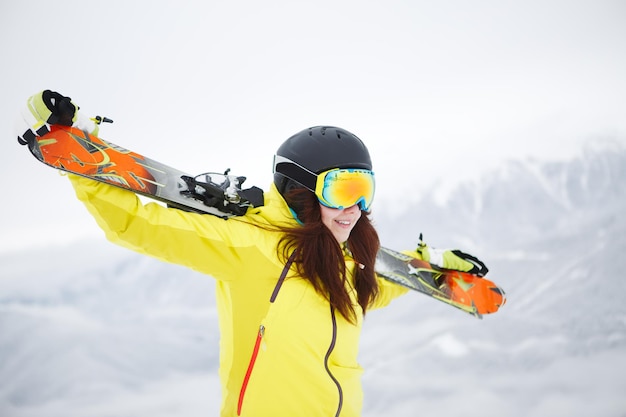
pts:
[342, 188]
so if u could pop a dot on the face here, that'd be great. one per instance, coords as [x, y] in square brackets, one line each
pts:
[340, 221]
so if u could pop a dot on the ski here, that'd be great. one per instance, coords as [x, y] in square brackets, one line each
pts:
[72, 150]
[468, 292]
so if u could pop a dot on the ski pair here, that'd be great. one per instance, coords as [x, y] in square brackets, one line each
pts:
[73, 150]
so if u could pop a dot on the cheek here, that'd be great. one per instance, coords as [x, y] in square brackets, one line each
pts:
[327, 215]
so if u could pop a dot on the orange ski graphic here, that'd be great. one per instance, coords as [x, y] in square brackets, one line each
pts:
[73, 150]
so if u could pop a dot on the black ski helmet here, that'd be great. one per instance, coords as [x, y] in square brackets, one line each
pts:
[317, 149]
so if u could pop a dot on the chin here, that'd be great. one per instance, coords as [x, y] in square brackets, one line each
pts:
[342, 238]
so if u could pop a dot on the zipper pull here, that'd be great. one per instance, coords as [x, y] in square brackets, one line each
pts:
[260, 337]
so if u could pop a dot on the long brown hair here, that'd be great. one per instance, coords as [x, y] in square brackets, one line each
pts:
[320, 257]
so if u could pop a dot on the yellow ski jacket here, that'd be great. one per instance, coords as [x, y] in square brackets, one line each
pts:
[283, 350]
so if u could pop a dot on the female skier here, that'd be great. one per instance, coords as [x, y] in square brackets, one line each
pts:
[294, 277]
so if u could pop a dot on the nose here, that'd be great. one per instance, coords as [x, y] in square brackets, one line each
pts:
[352, 208]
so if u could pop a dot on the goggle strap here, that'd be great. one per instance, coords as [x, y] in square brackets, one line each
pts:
[296, 173]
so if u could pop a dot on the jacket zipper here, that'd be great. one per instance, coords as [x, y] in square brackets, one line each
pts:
[246, 379]
[330, 350]
[259, 337]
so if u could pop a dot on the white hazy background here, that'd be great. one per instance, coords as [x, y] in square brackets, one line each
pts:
[495, 126]
[435, 89]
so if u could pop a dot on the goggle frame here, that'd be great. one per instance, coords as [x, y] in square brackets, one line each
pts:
[319, 184]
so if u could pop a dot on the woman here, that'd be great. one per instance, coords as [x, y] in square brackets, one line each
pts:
[294, 277]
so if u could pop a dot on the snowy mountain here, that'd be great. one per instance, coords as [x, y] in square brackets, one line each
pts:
[90, 329]
[554, 236]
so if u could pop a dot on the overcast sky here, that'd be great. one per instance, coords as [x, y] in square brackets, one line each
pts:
[437, 90]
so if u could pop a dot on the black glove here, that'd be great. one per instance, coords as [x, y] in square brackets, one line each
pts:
[61, 107]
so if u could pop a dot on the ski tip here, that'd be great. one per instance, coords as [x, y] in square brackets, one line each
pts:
[501, 293]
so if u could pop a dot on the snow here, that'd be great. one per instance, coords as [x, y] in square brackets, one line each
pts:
[89, 329]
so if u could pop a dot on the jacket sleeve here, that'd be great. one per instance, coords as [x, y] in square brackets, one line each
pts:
[388, 291]
[204, 243]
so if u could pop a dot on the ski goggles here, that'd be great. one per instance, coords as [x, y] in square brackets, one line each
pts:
[336, 188]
